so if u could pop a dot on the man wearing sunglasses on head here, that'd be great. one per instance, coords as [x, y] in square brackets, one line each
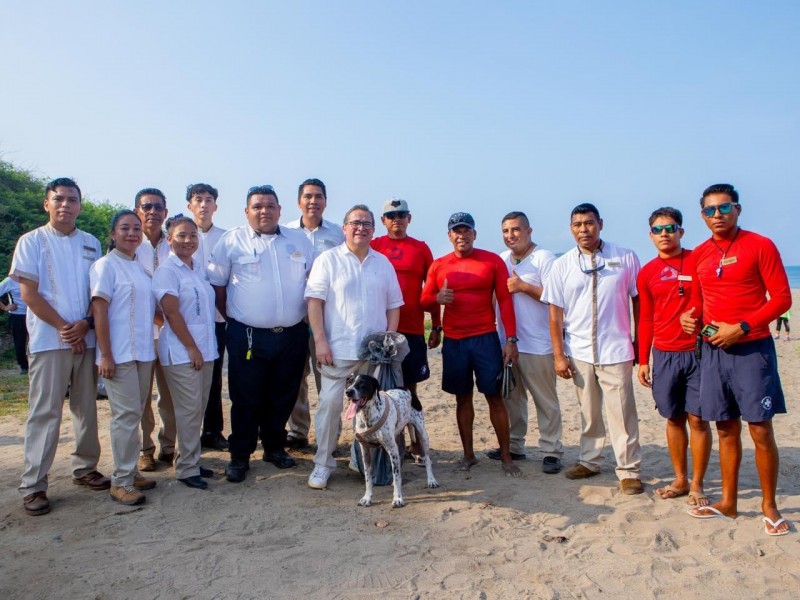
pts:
[665, 292]
[739, 287]
[590, 291]
[151, 206]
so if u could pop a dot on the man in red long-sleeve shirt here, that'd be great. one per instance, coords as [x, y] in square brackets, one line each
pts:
[464, 282]
[733, 273]
[665, 292]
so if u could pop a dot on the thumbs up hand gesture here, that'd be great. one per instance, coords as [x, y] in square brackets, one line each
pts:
[689, 321]
[515, 283]
[445, 295]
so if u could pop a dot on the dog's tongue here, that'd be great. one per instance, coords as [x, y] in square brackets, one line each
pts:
[352, 409]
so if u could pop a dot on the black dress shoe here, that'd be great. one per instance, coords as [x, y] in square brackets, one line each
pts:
[165, 457]
[207, 473]
[195, 481]
[551, 465]
[215, 441]
[495, 455]
[236, 471]
[280, 459]
[297, 443]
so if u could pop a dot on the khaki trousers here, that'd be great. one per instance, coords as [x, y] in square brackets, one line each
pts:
[51, 372]
[127, 393]
[189, 389]
[328, 420]
[300, 419]
[167, 433]
[535, 375]
[611, 385]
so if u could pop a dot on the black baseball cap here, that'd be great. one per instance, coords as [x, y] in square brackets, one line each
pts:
[460, 218]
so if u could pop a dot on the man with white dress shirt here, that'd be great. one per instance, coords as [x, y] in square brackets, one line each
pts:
[352, 292]
[201, 200]
[591, 291]
[16, 309]
[312, 199]
[151, 206]
[528, 267]
[259, 275]
[51, 264]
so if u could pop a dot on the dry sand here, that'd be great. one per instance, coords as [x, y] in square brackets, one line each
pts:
[481, 535]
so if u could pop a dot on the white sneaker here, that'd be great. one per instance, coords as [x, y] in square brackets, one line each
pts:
[788, 338]
[318, 479]
[777, 336]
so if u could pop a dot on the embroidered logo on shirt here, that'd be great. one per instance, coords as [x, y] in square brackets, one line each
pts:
[668, 274]
[395, 253]
[766, 402]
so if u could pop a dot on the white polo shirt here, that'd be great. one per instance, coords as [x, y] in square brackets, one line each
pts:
[60, 265]
[196, 305]
[150, 257]
[328, 235]
[202, 256]
[533, 316]
[265, 275]
[356, 295]
[128, 289]
[602, 328]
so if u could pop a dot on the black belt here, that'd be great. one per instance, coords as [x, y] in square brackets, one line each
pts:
[279, 329]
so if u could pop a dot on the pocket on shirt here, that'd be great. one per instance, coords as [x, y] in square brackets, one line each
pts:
[247, 268]
[298, 266]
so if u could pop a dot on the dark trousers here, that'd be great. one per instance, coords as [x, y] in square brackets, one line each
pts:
[19, 333]
[213, 422]
[264, 387]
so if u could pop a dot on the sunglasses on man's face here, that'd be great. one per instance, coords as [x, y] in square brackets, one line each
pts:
[148, 206]
[724, 209]
[398, 214]
[671, 228]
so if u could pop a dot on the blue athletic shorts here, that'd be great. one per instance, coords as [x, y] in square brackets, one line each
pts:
[741, 381]
[415, 364]
[480, 355]
[676, 383]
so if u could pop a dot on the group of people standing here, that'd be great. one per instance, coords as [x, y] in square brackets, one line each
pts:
[289, 300]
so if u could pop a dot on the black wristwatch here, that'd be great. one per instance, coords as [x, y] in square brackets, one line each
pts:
[513, 339]
[90, 321]
[437, 328]
[745, 327]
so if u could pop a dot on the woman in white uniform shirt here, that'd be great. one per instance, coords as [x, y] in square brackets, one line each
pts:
[187, 345]
[124, 307]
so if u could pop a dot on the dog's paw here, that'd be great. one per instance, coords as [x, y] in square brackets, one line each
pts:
[398, 503]
[432, 483]
[365, 501]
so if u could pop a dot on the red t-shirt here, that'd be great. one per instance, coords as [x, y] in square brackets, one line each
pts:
[411, 260]
[661, 305]
[474, 279]
[752, 268]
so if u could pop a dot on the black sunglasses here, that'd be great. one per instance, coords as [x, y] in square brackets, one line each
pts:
[395, 214]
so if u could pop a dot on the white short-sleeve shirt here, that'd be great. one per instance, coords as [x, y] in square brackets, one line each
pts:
[356, 295]
[128, 289]
[196, 305]
[571, 289]
[328, 235]
[202, 256]
[60, 265]
[533, 316]
[265, 275]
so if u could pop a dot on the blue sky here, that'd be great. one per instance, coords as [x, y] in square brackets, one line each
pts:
[485, 107]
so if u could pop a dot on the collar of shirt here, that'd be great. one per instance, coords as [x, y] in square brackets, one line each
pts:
[255, 234]
[122, 255]
[57, 233]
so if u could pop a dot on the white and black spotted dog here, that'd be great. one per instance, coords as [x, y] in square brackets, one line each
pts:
[380, 419]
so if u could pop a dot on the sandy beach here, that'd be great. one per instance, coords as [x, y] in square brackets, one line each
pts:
[480, 535]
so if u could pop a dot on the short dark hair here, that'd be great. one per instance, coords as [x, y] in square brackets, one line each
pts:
[115, 219]
[61, 182]
[312, 181]
[720, 188]
[516, 214]
[149, 192]
[177, 220]
[261, 190]
[584, 208]
[362, 207]
[200, 188]
[668, 212]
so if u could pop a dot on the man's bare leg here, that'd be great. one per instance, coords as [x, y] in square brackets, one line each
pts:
[767, 461]
[700, 442]
[465, 417]
[677, 443]
[498, 414]
[730, 459]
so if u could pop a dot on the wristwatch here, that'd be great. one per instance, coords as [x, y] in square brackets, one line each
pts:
[437, 328]
[513, 339]
[90, 321]
[745, 327]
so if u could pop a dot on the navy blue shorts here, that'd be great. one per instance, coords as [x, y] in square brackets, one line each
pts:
[415, 364]
[676, 383]
[480, 355]
[741, 381]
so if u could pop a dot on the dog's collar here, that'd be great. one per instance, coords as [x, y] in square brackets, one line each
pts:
[363, 437]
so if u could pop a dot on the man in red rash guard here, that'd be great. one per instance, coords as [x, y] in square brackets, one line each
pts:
[411, 260]
[665, 288]
[464, 283]
[733, 273]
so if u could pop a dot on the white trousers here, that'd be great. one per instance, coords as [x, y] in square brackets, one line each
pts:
[189, 389]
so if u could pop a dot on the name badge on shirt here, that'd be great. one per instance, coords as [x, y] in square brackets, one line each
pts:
[684, 277]
[728, 261]
[614, 263]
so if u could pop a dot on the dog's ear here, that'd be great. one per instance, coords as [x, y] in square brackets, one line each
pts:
[373, 384]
